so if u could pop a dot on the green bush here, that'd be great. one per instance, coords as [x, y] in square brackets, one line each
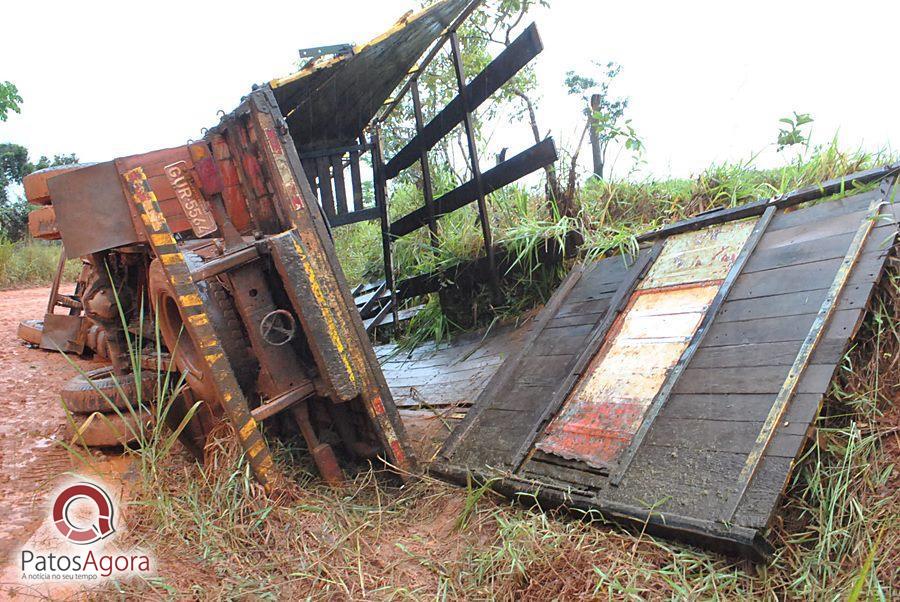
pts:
[32, 263]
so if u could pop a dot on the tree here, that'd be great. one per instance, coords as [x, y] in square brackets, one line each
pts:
[605, 113]
[9, 99]
[492, 27]
[14, 166]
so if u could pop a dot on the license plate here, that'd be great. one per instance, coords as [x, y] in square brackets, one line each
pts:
[192, 202]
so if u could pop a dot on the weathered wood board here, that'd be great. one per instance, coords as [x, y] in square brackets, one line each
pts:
[552, 422]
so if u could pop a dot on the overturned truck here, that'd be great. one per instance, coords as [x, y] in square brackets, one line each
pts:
[673, 389]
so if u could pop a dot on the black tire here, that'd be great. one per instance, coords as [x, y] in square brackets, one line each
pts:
[108, 429]
[225, 320]
[31, 331]
[84, 394]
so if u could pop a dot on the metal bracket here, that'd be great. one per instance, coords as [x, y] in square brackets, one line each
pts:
[315, 52]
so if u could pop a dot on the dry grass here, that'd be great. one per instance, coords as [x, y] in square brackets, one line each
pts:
[217, 536]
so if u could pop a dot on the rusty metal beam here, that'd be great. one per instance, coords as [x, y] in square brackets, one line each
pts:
[283, 402]
[216, 266]
[802, 360]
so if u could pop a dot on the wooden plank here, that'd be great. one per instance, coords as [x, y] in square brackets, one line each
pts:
[751, 380]
[823, 210]
[325, 194]
[805, 277]
[833, 226]
[556, 469]
[687, 482]
[725, 435]
[534, 158]
[598, 335]
[353, 217]
[800, 368]
[788, 304]
[591, 306]
[778, 329]
[340, 189]
[356, 181]
[562, 341]
[513, 58]
[735, 407]
[765, 354]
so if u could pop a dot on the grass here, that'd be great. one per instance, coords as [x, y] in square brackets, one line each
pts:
[838, 535]
[32, 263]
[612, 214]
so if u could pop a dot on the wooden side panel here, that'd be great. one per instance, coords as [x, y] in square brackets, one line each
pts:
[720, 402]
[683, 472]
[498, 425]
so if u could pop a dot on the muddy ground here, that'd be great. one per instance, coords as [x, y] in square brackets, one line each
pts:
[32, 419]
[33, 422]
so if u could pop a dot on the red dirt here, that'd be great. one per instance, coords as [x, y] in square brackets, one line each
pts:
[32, 419]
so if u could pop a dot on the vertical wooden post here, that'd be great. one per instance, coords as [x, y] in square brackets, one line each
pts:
[381, 203]
[57, 279]
[427, 190]
[473, 158]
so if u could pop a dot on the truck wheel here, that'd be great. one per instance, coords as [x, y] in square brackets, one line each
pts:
[30, 331]
[224, 319]
[108, 429]
[187, 357]
[84, 394]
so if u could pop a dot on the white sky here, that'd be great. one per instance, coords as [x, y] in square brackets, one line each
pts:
[707, 80]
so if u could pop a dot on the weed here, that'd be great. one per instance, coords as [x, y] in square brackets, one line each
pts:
[32, 263]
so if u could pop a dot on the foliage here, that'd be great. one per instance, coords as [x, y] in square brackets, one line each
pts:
[605, 113]
[14, 166]
[492, 27]
[611, 214]
[9, 99]
[793, 133]
[32, 263]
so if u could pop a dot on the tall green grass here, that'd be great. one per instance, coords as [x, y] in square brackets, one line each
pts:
[612, 213]
[32, 263]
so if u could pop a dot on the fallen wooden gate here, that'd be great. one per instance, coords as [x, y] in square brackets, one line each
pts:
[676, 388]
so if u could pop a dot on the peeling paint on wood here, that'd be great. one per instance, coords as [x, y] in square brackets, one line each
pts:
[699, 256]
[606, 408]
[601, 417]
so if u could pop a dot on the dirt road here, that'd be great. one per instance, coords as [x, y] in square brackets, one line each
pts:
[32, 420]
